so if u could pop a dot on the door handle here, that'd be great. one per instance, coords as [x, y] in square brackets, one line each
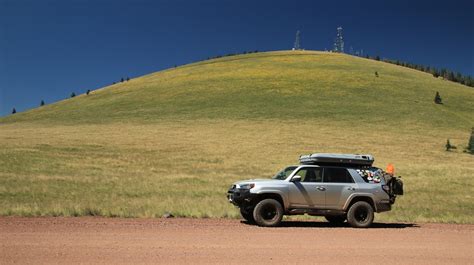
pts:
[321, 188]
[351, 188]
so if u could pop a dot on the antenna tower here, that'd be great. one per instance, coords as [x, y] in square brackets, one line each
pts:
[339, 42]
[297, 41]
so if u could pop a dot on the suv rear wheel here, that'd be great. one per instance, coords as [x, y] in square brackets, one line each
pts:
[247, 214]
[268, 212]
[360, 215]
[336, 219]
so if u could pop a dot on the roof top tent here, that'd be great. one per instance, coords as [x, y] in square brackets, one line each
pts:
[349, 160]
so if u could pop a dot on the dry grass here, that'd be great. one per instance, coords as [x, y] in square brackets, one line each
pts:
[186, 167]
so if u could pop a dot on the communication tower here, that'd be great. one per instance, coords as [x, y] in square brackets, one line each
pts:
[339, 41]
[297, 41]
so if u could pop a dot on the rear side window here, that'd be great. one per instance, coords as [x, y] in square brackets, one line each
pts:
[337, 175]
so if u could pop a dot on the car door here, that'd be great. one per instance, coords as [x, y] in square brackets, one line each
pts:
[307, 193]
[339, 186]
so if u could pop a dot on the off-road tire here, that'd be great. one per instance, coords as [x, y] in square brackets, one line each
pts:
[336, 219]
[360, 215]
[247, 214]
[268, 212]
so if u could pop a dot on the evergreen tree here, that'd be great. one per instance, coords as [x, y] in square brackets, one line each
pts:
[377, 58]
[42, 103]
[73, 94]
[450, 76]
[444, 73]
[448, 146]
[438, 99]
[470, 145]
[13, 111]
[468, 81]
[459, 78]
[128, 79]
[121, 80]
[88, 92]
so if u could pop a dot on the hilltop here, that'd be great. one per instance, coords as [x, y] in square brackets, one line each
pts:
[271, 85]
[174, 140]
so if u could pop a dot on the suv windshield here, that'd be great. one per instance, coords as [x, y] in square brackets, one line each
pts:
[284, 173]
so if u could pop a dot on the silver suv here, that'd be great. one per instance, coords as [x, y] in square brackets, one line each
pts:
[338, 186]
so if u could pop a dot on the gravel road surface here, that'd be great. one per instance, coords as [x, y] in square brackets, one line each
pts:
[91, 240]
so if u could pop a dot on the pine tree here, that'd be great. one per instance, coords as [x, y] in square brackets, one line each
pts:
[128, 79]
[470, 145]
[377, 58]
[438, 99]
[448, 146]
[13, 111]
[459, 78]
[450, 76]
[73, 94]
[121, 80]
[88, 92]
[42, 103]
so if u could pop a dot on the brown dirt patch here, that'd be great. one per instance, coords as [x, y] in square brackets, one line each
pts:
[89, 240]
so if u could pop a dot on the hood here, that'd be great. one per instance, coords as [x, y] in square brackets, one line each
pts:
[238, 183]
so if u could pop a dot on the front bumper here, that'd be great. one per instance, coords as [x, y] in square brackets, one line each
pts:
[239, 197]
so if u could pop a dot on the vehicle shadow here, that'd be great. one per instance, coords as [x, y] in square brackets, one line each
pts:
[316, 224]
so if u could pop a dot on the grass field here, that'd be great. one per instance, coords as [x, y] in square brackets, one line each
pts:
[175, 140]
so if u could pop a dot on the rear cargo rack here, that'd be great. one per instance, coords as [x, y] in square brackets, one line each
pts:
[337, 159]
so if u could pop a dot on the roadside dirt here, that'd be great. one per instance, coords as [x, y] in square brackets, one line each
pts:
[89, 240]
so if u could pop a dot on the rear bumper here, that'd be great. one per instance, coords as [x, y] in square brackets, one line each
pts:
[384, 206]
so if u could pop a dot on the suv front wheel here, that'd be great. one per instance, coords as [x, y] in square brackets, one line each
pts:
[360, 215]
[268, 212]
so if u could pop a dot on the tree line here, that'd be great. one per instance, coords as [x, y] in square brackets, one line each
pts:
[446, 74]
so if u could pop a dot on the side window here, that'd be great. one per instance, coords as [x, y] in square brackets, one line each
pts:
[310, 174]
[337, 175]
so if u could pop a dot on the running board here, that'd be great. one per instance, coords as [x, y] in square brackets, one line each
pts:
[316, 212]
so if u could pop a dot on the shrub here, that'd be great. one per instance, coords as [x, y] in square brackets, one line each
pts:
[438, 99]
[13, 111]
[73, 94]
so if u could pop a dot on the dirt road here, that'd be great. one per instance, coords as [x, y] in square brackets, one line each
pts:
[89, 240]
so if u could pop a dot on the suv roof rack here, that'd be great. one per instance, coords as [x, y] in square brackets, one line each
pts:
[337, 159]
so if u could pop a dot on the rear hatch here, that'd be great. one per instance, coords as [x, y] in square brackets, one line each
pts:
[393, 185]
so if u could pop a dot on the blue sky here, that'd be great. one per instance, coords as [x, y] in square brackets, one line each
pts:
[51, 48]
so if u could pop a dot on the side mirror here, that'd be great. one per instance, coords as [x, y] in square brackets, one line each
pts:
[296, 178]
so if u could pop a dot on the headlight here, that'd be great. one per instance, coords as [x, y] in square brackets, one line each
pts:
[247, 186]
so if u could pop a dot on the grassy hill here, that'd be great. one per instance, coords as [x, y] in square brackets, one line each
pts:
[176, 139]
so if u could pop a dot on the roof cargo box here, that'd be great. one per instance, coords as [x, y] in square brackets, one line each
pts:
[344, 159]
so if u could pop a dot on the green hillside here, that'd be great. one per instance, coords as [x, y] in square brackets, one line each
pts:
[176, 139]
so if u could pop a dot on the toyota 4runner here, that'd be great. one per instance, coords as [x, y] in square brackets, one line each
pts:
[339, 187]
